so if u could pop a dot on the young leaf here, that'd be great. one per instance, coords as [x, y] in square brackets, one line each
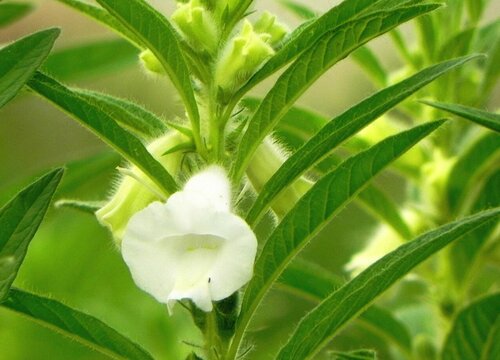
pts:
[475, 331]
[105, 18]
[104, 126]
[484, 118]
[300, 10]
[19, 221]
[316, 283]
[370, 63]
[129, 115]
[317, 328]
[354, 355]
[465, 174]
[328, 50]
[90, 59]
[77, 326]
[20, 60]
[11, 12]
[315, 209]
[343, 127]
[158, 35]
[383, 207]
[89, 207]
[475, 9]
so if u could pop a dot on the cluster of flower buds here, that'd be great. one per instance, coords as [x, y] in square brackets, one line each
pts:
[198, 25]
[246, 52]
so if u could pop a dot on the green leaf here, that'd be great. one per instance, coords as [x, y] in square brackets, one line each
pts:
[299, 9]
[20, 60]
[95, 58]
[465, 176]
[341, 128]
[316, 283]
[468, 254]
[383, 207]
[427, 32]
[75, 325]
[475, 332]
[317, 328]
[128, 115]
[355, 355]
[11, 12]
[331, 48]
[89, 207]
[19, 221]
[298, 126]
[484, 118]
[158, 35]
[309, 34]
[315, 209]
[105, 18]
[475, 9]
[104, 126]
[77, 174]
[369, 62]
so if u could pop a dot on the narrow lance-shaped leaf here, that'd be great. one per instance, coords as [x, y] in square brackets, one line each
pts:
[470, 165]
[11, 12]
[19, 221]
[475, 331]
[317, 328]
[331, 48]
[90, 59]
[314, 210]
[384, 208]
[370, 63]
[298, 126]
[75, 325]
[158, 35]
[316, 283]
[103, 125]
[354, 355]
[305, 36]
[88, 207]
[299, 9]
[343, 127]
[484, 118]
[130, 116]
[103, 17]
[21, 59]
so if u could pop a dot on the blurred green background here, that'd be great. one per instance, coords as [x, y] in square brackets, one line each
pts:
[74, 260]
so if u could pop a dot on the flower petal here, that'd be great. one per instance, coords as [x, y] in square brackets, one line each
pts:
[213, 184]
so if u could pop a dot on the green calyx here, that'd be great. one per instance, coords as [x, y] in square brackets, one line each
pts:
[135, 190]
[268, 24]
[243, 55]
[198, 25]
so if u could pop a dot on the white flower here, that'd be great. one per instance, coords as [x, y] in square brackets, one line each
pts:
[193, 246]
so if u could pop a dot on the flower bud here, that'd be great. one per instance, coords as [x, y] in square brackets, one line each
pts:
[197, 24]
[137, 191]
[267, 24]
[151, 63]
[242, 57]
[267, 160]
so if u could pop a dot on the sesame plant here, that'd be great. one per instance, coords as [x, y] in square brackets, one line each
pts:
[211, 210]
